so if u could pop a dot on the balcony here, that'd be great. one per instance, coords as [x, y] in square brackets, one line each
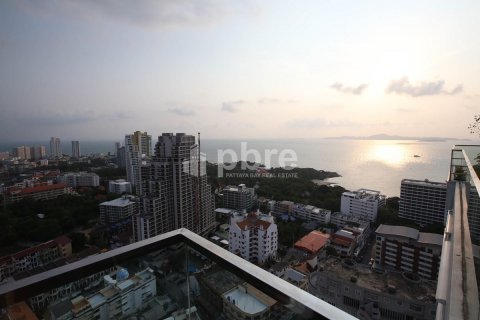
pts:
[457, 290]
[181, 272]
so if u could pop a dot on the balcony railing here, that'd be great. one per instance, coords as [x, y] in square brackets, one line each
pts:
[457, 290]
[190, 273]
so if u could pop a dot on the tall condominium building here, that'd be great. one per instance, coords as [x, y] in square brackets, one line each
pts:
[22, 152]
[406, 249]
[55, 148]
[363, 202]
[138, 149]
[118, 145]
[121, 157]
[422, 201]
[239, 198]
[175, 193]
[76, 149]
[254, 237]
[38, 152]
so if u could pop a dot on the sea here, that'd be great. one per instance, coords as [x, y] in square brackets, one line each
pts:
[372, 164]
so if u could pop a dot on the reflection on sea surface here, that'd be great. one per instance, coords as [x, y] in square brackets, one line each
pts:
[392, 153]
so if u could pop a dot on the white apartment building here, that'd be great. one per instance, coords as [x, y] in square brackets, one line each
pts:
[422, 201]
[238, 197]
[311, 213]
[122, 296]
[363, 202]
[406, 249]
[254, 237]
[117, 209]
[80, 179]
[119, 186]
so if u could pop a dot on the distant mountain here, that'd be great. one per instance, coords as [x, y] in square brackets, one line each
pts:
[383, 136]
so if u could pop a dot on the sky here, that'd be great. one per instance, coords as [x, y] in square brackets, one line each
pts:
[97, 70]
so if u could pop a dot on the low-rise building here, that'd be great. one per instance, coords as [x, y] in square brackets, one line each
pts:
[80, 179]
[254, 237]
[35, 257]
[39, 192]
[344, 242]
[311, 213]
[247, 302]
[407, 249]
[123, 295]
[119, 186]
[313, 243]
[118, 209]
[283, 207]
[357, 290]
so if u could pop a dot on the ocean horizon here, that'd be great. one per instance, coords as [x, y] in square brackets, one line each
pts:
[372, 164]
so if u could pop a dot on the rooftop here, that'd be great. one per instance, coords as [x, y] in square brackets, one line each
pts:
[400, 231]
[313, 242]
[119, 202]
[366, 278]
[248, 299]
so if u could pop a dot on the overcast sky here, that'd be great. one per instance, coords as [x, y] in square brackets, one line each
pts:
[269, 69]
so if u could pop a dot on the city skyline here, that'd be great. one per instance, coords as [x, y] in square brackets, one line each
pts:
[318, 69]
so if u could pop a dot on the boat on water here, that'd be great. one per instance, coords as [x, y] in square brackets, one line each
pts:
[416, 156]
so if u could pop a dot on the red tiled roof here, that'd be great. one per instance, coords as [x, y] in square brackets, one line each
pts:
[43, 188]
[252, 220]
[342, 241]
[62, 240]
[313, 242]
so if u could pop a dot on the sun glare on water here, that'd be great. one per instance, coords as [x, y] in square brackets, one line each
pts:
[390, 154]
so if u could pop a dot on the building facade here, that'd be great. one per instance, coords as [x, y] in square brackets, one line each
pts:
[138, 150]
[254, 237]
[406, 249]
[76, 149]
[55, 148]
[311, 213]
[119, 186]
[175, 192]
[35, 257]
[363, 202]
[122, 296]
[239, 198]
[118, 209]
[42, 192]
[80, 179]
[422, 201]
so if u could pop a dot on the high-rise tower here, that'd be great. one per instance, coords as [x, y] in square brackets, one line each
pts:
[138, 149]
[175, 192]
[76, 149]
[55, 148]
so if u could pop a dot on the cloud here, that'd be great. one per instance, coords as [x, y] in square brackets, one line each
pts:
[231, 106]
[181, 111]
[266, 100]
[269, 100]
[145, 13]
[358, 90]
[320, 123]
[432, 88]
